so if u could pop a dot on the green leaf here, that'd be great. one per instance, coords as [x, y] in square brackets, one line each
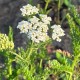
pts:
[58, 55]
[62, 59]
[67, 3]
[48, 11]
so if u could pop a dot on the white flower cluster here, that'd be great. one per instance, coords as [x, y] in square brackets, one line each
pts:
[45, 18]
[57, 32]
[35, 28]
[29, 10]
[24, 26]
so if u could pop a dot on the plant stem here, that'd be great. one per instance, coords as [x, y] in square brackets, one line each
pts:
[58, 11]
[75, 61]
[73, 65]
[17, 55]
[31, 49]
[30, 2]
[70, 78]
[47, 3]
[9, 66]
[46, 6]
[41, 63]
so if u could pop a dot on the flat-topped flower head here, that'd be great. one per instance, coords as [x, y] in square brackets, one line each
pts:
[5, 43]
[29, 10]
[35, 29]
[57, 32]
[24, 26]
[36, 25]
[45, 18]
[37, 36]
[34, 20]
[43, 27]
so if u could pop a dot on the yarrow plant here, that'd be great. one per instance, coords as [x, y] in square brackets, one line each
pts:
[5, 43]
[39, 60]
[29, 10]
[57, 32]
[37, 25]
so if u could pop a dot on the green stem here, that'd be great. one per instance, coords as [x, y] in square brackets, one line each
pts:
[30, 2]
[68, 72]
[9, 66]
[46, 6]
[58, 11]
[41, 63]
[17, 55]
[31, 49]
[73, 65]
[10, 69]
[70, 78]
[47, 3]
[75, 61]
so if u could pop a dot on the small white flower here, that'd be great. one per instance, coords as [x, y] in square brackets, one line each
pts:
[34, 36]
[29, 10]
[43, 27]
[24, 26]
[56, 26]
[58, 39]
[45, 18]
[44, 37]
[37, 36]
[34, 20]
[57, 32]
